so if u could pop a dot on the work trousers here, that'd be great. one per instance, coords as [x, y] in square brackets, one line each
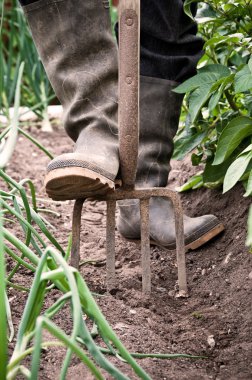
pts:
[170, 48]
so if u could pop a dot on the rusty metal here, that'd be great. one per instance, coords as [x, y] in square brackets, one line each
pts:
[129, 42]
[76, 228]
[145, 246]
[129, 16]
[110, 244]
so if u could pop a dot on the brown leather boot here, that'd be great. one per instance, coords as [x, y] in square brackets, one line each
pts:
[159, 117]
[79, 54]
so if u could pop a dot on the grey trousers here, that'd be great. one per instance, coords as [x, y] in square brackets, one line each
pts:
[170, 48]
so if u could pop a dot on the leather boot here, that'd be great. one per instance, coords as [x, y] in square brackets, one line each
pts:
[79, 53]
[159, 117]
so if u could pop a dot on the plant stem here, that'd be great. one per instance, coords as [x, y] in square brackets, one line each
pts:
[232, 103]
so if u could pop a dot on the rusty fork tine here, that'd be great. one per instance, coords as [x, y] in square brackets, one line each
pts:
[145, 246]
[110, 244]
[180, 245]
[76, 227]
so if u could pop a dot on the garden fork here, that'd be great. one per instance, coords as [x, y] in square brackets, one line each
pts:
[129, 42]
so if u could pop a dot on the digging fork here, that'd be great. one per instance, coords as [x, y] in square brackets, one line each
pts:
[129, 42]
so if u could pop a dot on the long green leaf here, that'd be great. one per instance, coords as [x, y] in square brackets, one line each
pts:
[249, 186]
[236, 171]
[243, 80]
[249, 237]
[231, 137]
[3, 321]
[9, 146]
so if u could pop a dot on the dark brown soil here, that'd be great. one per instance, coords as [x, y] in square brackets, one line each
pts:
[218, 274]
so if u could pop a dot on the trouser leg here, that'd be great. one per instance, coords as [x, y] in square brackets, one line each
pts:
[79, 53]
[170, 48]
[26, 2]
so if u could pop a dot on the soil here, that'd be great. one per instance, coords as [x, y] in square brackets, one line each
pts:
[214, 321]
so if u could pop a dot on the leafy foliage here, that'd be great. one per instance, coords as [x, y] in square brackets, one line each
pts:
[16, 46]
[219, 99]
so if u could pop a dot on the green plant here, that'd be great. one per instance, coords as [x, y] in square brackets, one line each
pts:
[249, 238]
[16, 46]
[218, 98]
[218, 103]
[113, 15]
[197, 315]
[50, 268]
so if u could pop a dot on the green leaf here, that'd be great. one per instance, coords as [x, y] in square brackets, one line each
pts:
[249, 186]
[201, 87]
[231, 137]
[194, 182]
[249, 237]
[236, 170]
[216, 70]
[214, 100]
[243, 80]
[187, 7]
[250, 64]
[186, 145]
[206, 75]
[216, 174]
[193, 83]
[13, 134]
[196, 158]
[197, 100]
[3, 321]
[215, 41]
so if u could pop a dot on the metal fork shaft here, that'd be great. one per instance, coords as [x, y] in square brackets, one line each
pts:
[129, 37]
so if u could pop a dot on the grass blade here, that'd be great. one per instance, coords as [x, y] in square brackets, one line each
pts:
[3, 321]
[9, 146]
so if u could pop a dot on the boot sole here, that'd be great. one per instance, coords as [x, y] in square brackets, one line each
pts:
[75, 182]
[205, 238]
[215, 231]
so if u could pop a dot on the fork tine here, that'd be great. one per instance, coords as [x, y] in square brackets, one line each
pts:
[145, 246]
[110, 242]
[76, 227]
[180, 246]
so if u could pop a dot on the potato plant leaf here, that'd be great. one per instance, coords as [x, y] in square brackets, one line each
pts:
[186, 145]
[197, 100]
[243, 80]
[250, 64]
[249, 237]
[216, 174]
[206, 75]
[231, 137]
[201, 85]
[195, 182]
[187, 7]
[236, 171]
[215, 41]
[249, 186]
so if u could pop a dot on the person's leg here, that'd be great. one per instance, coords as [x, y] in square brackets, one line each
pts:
[26, 2]
[170, 50]
[79, 53]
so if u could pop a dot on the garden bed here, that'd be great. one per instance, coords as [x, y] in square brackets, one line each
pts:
[215, 321]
